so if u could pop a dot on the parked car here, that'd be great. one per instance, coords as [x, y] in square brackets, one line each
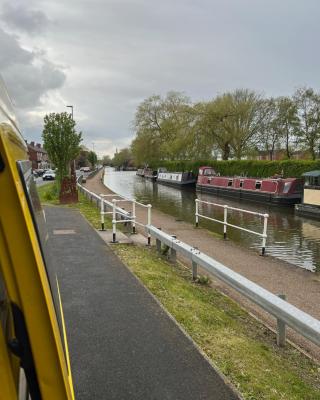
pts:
[49, 176]
[85, 169]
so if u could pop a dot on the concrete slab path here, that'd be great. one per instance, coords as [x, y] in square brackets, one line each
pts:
[122, 344]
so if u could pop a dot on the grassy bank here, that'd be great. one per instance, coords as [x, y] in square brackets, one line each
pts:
[244, 350]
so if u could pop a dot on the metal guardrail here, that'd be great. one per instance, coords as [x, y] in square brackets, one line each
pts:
[226, 223]
[125, 216]
[286, 313]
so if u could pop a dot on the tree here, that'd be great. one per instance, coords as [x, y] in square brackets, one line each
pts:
[92, 157]
[122, 159]
[308, 106]
[61, 141]
[106, 160]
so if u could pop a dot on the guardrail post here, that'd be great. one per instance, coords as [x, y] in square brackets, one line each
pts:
[114, 221]
[281, 328]
[173, 253]
[264, 237]
[194, 270]
[149, 223]
[102, 213]
[133, 216]
[197, 213]
[225, 216]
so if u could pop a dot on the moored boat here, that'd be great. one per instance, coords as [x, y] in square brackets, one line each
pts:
[150, 174]
[140, 172]
[274, 190]
[179, 179]
[310, 206]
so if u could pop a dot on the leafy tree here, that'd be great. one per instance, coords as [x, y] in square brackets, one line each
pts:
[61, 141]
[308, 106]
[106, 160]
[92, 158]
[122, 159]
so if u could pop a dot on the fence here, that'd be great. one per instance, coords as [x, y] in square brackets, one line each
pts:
[226, 223]
[125, 216]
[284, 312]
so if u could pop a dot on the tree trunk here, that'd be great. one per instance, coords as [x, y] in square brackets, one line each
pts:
[226, 151]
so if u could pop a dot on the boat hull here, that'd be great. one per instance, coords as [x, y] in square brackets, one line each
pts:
[308, 211]
[182, 184]
[260, 197]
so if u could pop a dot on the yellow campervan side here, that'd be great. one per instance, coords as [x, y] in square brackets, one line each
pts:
[34, 360]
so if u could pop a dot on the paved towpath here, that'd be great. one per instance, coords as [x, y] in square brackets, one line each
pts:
[122, 344]
[301, 287]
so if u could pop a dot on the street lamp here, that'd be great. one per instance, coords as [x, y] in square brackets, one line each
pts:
[71, 110]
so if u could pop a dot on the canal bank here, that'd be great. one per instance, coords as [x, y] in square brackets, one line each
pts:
[300, 286]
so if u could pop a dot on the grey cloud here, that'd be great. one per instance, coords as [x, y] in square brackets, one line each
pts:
[28, 75]
[19, 16]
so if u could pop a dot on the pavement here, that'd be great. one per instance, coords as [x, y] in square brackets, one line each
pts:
[122, 344]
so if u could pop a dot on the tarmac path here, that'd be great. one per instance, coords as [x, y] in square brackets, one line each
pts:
[301, 287]
[123, 345]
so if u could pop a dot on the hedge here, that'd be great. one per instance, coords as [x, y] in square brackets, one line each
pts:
[253, 168]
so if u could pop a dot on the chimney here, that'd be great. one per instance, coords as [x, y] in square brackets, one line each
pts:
[32, 144]
[39, 145]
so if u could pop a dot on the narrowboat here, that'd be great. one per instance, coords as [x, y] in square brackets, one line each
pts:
[179, 179]
[310, 206]
[274, 190]
[140, 172]
[150, 174]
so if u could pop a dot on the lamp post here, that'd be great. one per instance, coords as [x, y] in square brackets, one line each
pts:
[71, 110]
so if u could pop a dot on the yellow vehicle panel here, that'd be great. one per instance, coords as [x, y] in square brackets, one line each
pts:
[29, 330]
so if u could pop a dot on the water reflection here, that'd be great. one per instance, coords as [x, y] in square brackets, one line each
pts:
[291, 238]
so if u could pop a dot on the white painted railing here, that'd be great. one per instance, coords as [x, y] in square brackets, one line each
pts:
[225, 222]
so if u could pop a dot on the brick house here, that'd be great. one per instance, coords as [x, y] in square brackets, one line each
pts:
[38, 156]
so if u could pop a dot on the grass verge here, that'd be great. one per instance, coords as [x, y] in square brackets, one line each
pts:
[244, 350]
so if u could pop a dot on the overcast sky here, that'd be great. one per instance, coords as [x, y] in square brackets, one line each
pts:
[106, 56]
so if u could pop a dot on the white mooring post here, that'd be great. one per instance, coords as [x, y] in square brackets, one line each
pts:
[281, 328]
[114, 221]
[149, 223]
[102, 213]
[197, 213]
[225, 216]
[264, 234]
[133, 216]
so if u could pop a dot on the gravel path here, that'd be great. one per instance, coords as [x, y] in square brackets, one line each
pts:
[301, 287]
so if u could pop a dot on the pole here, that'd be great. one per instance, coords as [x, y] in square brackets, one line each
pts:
[114, 222]
[225, 216]
[264, 234]
[133, 216]
[149, 223]
[197, 213]
[102, 213]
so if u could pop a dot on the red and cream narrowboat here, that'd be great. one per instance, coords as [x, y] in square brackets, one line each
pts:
[274, 190]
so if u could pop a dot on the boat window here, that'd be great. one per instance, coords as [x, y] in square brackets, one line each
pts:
[241, 183]
[286, 187]
[208, 171]
[258, 185]
[230, 182]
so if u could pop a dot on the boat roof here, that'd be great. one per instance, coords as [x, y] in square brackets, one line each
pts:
[312, 173]
[7, 114]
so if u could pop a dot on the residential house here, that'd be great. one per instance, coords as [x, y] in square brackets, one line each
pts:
[38, 156]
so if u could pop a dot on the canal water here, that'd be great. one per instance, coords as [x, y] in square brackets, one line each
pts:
[290, 238]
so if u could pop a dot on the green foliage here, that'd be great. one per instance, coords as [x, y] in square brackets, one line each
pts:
[92, 158]
[49, 193]
[123, 158]
[253, 168]
[61, 141]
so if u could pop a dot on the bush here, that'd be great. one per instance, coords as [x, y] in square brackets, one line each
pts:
[252, 168]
